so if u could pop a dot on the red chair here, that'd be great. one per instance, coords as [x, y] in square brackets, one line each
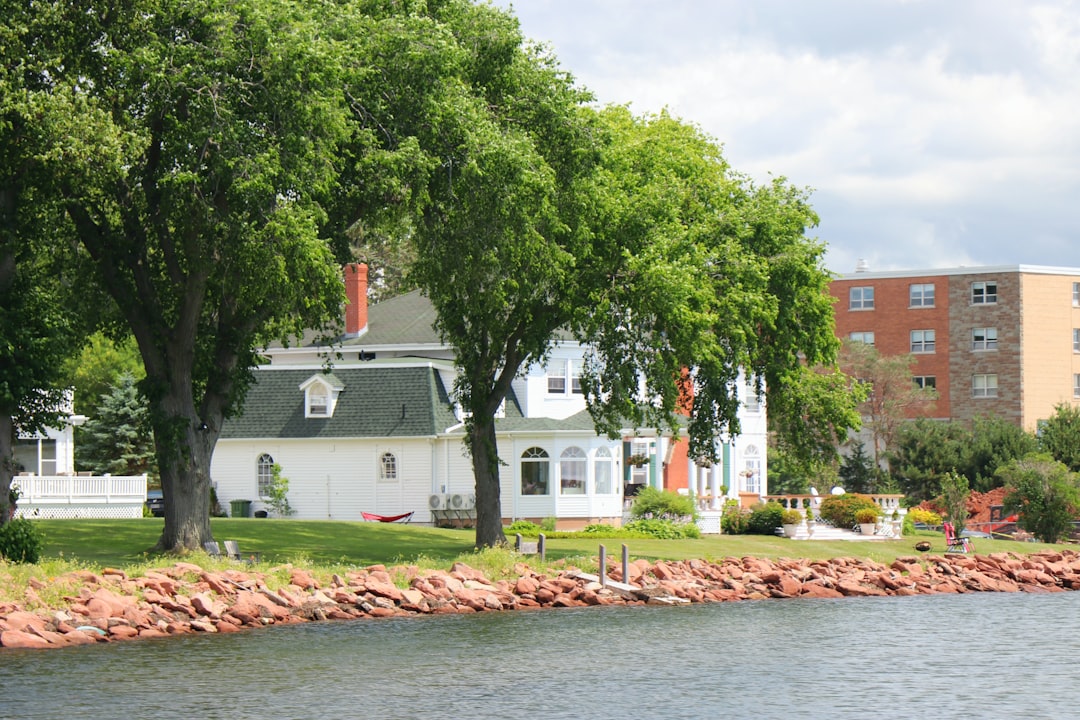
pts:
[954, 542]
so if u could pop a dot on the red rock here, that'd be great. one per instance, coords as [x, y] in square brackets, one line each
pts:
[526, 586]
[303, 579]
[20, 639]
[123, 632]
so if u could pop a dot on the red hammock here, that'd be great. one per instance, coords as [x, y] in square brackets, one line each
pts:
[372, 517]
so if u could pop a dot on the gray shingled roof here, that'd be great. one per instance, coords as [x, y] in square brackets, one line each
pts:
[407, 319]
[378, 401]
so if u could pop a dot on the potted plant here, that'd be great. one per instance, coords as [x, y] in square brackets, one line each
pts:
[790, 519]
[867, 520]
[809, 522]
[637, 460]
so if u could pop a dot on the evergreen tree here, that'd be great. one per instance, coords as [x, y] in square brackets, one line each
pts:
[118, 440]
[858, 473]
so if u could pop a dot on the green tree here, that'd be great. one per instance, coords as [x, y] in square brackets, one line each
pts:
[994, 442]
[118, 439]
[892, 394]
[97, 368]
[858, 471]
[40, 325]
[1060, 436]
[954, 496]
[925, 450]
[221, 151]
[1044, 494]
[636, 237]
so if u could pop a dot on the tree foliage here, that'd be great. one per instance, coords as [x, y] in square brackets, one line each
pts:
[212, 157]
[1044, 494]
[891, 394]
[954, 496]
[118, 439]
[1060, 436]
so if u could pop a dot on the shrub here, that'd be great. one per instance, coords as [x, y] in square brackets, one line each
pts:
[21, 541]
[926, 517]
[548, 524]
[791, 517]
[765, 518]
[840, 509]
[278, 494]
[523, 527]
[864, 516]
[662, 504]
[735, 520]
[664, 529]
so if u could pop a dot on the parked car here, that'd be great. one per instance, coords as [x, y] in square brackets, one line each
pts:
[155, 503]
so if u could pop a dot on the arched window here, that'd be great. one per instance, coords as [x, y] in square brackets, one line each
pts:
[573, 471]
[604, 472]
[264, 474]
[388, 467]
[535, 471]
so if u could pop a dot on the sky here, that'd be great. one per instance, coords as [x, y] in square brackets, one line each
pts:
[931, 133]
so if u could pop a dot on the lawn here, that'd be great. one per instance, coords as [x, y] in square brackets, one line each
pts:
[116, 543]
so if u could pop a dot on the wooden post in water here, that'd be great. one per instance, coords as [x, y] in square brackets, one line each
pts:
[603, 566]
[625, 564]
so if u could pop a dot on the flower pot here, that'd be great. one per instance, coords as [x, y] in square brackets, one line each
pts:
[867, 528]
[810, 528]
[790, 530]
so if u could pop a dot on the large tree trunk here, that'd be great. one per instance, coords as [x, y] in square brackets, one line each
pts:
[7, 464]
[485, 458]
[185, 445]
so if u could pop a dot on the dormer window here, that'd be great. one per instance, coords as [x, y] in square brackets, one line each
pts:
[320, 395]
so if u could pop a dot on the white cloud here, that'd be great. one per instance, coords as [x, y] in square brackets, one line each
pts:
[931, 133]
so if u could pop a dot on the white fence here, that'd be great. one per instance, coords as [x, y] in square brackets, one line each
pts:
[80, 496]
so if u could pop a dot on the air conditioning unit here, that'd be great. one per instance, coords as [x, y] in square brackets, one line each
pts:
[470, 500]
[437, 501]
[456, 501]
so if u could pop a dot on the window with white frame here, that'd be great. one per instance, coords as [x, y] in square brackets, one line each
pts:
[984, 339]
[556, 377]
[984, 385]
[388, 467]
[1076, 340]
[983, 293]
[753, 399]
[575, 378]
[752, 470]
[925, 381]
[535, 472]
[318, 400]
[573, 471]
[865, 337]
[264, 474]
[1076, 386]
[921, 295]
[604, 472]
[922, 341]
[1076, 294]
[861, 298]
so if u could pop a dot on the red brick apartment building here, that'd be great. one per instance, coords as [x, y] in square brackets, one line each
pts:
[995, 341]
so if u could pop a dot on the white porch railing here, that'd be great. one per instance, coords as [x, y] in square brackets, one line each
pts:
[80, 496]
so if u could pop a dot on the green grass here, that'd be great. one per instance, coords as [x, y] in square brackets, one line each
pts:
[120, 543]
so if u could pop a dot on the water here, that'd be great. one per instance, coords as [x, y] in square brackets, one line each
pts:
[962, 656]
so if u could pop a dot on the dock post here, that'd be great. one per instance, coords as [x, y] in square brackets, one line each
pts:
[603, 566]
[626, 564]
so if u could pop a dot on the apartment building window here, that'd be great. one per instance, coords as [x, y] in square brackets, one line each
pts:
[1076, 386]
[863, 337]
[925, 381]
[861, 298]
[984, 339]
[984, 386]
[922, 341]
[1076, 340]
[983, 293]
[921, 295]
[1076, 294]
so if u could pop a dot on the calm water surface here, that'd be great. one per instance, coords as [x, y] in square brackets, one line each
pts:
[967, 656]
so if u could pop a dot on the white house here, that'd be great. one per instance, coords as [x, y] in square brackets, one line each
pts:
[379, 433]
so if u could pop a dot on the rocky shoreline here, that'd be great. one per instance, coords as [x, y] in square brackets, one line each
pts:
[109, 606]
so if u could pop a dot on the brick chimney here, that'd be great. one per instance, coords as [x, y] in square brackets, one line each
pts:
[356, 299]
